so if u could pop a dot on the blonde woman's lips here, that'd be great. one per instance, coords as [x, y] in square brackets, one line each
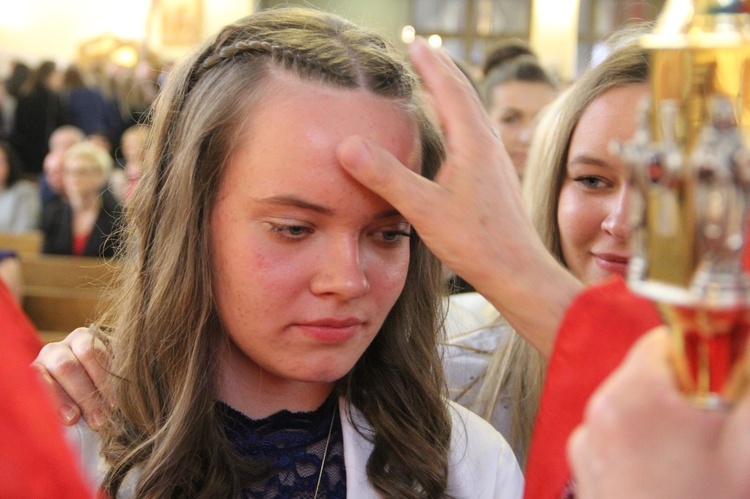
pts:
[616, 264]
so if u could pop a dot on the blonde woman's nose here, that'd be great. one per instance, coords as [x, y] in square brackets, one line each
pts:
[617, 220]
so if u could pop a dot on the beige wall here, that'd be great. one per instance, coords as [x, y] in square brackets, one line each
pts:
[387, 17]
[554, 35]
[34, 30]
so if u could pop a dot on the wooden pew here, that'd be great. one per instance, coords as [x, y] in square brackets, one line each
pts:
[64, 292]
[60, 310]
[22, 242]
[68, 272]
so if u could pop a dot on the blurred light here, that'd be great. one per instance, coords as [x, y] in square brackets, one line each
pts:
[408, 34]
[125, 56]
[435, 41]
[16, 15]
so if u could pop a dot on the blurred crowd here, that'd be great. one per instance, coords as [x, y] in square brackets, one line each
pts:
[71, 148]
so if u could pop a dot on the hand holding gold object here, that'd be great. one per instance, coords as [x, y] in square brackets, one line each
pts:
[691, 178]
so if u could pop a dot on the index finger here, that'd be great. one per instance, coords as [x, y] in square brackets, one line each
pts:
[459, 102]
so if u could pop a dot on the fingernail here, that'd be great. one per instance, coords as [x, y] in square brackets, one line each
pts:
[68, 413]
[419, 43]
[96, 420]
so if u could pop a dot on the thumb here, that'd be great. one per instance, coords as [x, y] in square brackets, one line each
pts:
[378, 170]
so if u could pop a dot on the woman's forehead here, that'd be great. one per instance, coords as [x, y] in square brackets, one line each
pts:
[295, 117]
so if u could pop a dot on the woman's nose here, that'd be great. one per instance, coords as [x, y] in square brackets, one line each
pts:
[526, 132]
[617, 220]
[341, 271]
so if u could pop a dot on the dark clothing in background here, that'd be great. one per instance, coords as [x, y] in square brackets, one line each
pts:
[88, 109]
[57, 224]
[38, 114]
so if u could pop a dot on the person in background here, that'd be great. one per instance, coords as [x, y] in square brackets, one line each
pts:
[7, 107]
[39, 111]
[133, 149]
[10, 274]
[515, 88]
[20, 206]
[577, 195]
[310, 381]
[86, 222]
[19, 73]
[137, 88]
[10, 91]
[102, 139]
[51, 183]
[87, 108]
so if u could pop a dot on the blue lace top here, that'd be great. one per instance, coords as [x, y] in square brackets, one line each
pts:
[293, 445]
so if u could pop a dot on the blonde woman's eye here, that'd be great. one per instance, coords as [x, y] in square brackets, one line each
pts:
[590, 182]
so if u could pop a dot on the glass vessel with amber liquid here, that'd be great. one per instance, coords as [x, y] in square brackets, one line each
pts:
[691, 177]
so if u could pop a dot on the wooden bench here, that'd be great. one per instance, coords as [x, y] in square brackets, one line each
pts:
[59, 309]
[22, 242]
[62, 293]
[68, 272]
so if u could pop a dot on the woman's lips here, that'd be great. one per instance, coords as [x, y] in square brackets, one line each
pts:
[616, 264]
[331, 330]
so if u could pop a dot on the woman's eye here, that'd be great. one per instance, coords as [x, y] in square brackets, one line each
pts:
[509, 120]
[291, 232]
[394, 235]
[590, 182]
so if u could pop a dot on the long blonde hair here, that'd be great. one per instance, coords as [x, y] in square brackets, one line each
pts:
[516, 371]
[166, 335]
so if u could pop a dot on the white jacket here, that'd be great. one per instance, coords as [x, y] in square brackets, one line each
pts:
[482, 465]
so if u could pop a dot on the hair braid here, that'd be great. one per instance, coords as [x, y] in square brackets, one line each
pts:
[284, 55]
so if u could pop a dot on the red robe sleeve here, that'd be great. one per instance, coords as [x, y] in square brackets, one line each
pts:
[35, 460]
[596, 333]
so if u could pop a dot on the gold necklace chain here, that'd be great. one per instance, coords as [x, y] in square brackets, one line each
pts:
[325, 453]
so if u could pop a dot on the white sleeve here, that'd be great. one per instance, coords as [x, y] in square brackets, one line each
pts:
[482, 463]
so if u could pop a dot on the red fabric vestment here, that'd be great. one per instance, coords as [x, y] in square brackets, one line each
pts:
[35, 460]
[598, 330]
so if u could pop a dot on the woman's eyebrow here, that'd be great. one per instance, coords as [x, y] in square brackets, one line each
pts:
[296, 202]
[585, 159]
[287, 200]
[389, 213]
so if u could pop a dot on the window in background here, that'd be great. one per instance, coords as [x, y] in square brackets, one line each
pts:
[600, 18]
[469, 27]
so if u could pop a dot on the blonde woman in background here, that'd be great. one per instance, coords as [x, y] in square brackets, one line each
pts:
[576, 193]
[86, 222]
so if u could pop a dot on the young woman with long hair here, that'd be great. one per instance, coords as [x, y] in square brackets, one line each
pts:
[277, 324]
